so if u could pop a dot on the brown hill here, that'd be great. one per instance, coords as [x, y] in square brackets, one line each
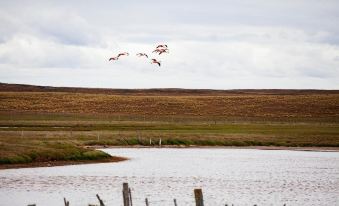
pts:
[174, 103]
[4, 87]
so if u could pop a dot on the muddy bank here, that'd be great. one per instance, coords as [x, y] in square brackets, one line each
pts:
[61, 163]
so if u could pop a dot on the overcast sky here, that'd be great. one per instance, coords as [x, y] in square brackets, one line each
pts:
[217, 44]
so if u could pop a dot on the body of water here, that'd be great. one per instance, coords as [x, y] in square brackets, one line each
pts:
[226, 176]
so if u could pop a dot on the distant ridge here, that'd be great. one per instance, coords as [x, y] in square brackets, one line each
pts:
[5, 87]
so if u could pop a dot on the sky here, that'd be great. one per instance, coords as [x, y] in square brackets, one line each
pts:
[216, 44]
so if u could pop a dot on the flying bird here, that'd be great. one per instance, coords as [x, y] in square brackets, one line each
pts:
[160, 51]
[113, 58]
[121, 54]
[162, 46]
[142, 54]
[156, 50]
[163, 51]
[154, 61]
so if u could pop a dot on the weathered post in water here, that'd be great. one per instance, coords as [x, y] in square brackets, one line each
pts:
[199, 201]
[100, 201]
[66, 202]
[125, 194]
[130, 196]
[146, 200]
[175, 202]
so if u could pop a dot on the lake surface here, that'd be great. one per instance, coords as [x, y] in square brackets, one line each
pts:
[232, 176]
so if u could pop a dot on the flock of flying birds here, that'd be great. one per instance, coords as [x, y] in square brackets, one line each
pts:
[158, 50]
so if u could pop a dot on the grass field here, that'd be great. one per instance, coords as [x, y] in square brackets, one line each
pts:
[39, 124]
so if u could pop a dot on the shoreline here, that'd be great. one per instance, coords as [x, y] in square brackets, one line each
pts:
[119, 159]
[311, 149]
[60, 163]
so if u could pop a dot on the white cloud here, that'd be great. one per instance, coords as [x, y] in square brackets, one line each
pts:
[216, 50]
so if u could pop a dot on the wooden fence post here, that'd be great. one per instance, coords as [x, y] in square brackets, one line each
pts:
[199, 201]
[66, 202]
[100, 201]
[175, 202]
[130, 196]
[125, 194]
[146, 200]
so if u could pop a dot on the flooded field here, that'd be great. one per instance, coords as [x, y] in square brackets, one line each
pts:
[226, 176]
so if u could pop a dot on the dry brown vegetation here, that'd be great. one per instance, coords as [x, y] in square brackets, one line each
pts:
[273, 106]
